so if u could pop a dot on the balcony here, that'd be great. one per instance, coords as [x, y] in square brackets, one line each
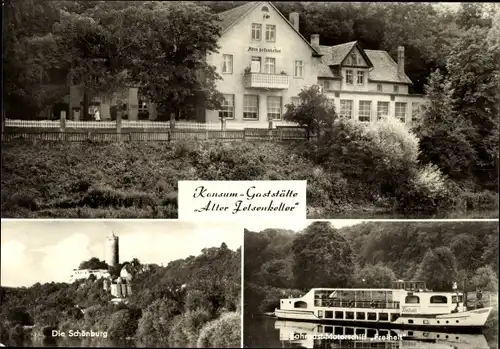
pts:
[266, 81]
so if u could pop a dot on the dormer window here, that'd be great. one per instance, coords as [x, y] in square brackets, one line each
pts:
[264, 9]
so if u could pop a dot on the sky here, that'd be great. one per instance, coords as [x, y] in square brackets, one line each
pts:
[44, 251]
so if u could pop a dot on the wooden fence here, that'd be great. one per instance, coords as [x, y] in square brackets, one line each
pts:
[278, 134]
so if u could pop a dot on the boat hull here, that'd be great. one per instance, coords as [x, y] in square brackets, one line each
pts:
[471, 321]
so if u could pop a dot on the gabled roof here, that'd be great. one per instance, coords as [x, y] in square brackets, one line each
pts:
[385, 69]
[335, 55]
[234, 15]
[230, 17]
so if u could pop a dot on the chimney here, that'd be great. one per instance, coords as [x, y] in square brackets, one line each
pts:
[294, 19]
[401, 60]
[315, 39]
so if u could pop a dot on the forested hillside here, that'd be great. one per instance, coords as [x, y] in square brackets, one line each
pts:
[281, 262]
[191, 302]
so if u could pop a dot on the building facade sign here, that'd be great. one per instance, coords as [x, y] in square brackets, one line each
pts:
[263, 49]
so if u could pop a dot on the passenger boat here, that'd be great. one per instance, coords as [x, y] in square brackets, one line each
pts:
[408, 304]
[311, 335]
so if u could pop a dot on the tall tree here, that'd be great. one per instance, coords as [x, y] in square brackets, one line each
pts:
[322, 258]
[168, 50]
[438, 269]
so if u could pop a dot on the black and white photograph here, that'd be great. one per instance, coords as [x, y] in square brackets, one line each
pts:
[388, 110]
[120, 283]
[371, 284]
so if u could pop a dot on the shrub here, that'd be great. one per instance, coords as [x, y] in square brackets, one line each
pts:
[224, 332]
[426, 190]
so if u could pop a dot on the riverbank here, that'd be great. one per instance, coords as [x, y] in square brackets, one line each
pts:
[139, 180]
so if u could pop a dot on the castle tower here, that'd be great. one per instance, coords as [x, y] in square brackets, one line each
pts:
[112, 251]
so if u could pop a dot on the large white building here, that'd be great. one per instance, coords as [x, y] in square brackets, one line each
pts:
[265, 62]
[79, 274]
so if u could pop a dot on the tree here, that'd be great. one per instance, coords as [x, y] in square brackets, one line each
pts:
[322, 258]
[224, 332]
[485, 279]
[443, 136]
[438, 269]
[167, 49]
[314, 111]
[473, 71]
[375, 276]
[93, 263]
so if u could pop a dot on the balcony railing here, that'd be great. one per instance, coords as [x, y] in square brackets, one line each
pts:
[271, 81]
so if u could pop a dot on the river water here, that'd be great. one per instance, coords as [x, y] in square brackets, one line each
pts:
[266, 332]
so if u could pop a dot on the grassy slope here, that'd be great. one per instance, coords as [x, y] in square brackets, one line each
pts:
[139, 180]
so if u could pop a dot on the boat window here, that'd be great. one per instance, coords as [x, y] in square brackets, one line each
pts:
[360, 331]
[371, 333]
[349, 315]
[360, 316]
[454, 299]
[339, 330]
[383, 316]
[394, 317]
[412, 300]
[372, 316]
[410, 321]
[300, 304]
[383, 333]
[339, 315]
[320, 329]
[349, 331]
[320, 313]
[328, 314]
[328, 329]
[439, 300]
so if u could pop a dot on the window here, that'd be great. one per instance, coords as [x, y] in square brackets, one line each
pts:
[365, 108]
[328, 329]
[270, 33]
[379, 87]
[346, 108]
[412, 300]
[360, 316]
[361, 77]
[328, 314]
[299, 69]
[382, 110]
[349, 315]
[348, 77]
[300, 304]
[372, 316]
[338, 330]
[255, 67]
[349, 331]
[383, 317]
[327, 85]
[401, 111]
[256, 31]
[320, 313]
[273, 107]
[396, 88]
[227, 67]
[227, 111]
[251, 107]
[415, 111]
[339, 315]
[270, 65]
[439, 300]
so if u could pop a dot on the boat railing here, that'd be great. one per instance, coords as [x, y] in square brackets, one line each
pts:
[334, 303]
